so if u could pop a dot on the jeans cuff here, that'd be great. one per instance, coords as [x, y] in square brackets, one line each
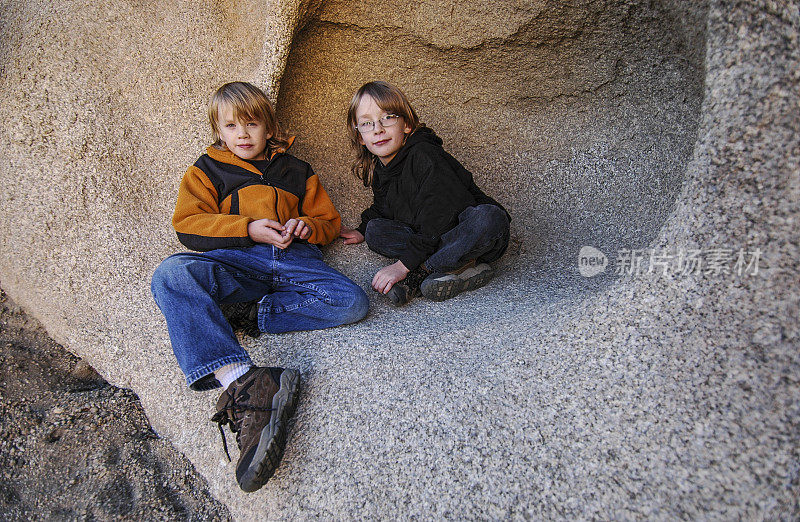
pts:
[203, 378]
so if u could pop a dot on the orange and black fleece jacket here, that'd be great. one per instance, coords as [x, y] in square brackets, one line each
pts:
[221, 194]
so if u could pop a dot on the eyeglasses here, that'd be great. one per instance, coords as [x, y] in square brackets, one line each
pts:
[369, 126]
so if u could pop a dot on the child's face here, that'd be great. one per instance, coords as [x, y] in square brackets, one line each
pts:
[382, 141]
[246, 139]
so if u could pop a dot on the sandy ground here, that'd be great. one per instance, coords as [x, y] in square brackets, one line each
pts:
[73, 447]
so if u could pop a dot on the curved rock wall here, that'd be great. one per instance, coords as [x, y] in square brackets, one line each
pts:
[622, 125]
[581, 117]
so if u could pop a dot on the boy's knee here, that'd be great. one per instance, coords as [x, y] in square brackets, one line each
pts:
[358, 306]
[161, 275]
[493, 213]
[492, 217]
[169, 273]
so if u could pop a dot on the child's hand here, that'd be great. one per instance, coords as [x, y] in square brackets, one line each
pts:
[297, 228]
[270, 232]
[388, 276]
[350, 235]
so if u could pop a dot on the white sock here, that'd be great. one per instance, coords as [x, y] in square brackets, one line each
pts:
[230, 372]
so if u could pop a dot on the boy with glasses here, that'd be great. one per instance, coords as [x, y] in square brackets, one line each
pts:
[427, 211]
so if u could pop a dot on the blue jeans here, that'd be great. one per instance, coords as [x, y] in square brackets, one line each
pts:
[296, 290]
[482, 234]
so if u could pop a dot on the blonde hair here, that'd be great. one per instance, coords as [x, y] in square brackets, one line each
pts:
[248, 103]
[392, 100]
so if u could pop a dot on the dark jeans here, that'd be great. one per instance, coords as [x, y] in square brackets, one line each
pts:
[482, 234]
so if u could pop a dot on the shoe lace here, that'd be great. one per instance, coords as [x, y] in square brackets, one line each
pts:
[233, 414]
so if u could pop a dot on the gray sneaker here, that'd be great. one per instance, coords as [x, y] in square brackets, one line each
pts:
[257, 406]
[441, 286]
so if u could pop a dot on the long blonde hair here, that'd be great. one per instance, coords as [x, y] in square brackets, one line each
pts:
[248, 103]
[392, 100]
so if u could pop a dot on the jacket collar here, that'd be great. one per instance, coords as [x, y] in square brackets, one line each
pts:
[226, 156]
[421, 135]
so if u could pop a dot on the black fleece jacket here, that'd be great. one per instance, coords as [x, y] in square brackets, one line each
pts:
[426, 188]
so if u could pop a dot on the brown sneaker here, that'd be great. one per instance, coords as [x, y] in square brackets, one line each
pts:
[242, 316]
[404, 291]
[258, 406]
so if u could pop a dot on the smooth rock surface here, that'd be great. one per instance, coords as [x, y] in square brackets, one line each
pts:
[621, 125]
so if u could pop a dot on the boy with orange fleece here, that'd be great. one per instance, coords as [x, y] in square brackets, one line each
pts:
[255, 214]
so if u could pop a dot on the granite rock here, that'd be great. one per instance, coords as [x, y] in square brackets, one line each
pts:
[659, 133]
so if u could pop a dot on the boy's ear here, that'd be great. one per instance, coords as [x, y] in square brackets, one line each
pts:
[407, 129]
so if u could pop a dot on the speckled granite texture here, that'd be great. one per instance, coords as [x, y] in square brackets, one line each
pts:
[650, 131]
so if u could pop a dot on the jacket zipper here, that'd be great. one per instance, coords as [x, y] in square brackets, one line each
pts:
[265, 182]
